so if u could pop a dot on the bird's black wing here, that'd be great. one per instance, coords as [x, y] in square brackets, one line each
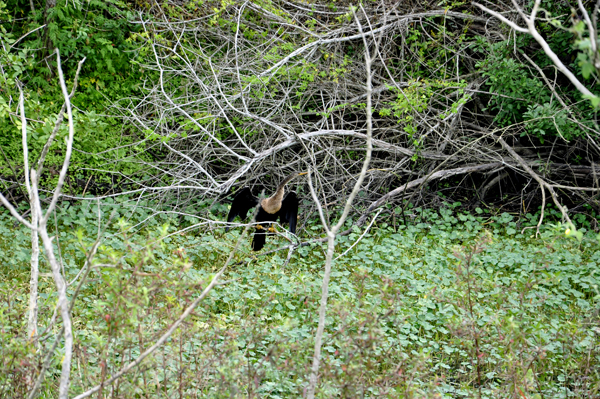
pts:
[242, 202]
[289, 210]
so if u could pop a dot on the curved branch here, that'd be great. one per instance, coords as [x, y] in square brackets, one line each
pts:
[441, 174]
[541, 182]
[530, 22]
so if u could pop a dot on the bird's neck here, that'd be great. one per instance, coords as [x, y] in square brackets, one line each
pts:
[278, 196]
[273, 203]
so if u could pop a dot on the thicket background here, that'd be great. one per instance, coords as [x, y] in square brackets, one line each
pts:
[456, 291]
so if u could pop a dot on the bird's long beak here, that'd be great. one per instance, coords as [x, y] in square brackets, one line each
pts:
[303, 173]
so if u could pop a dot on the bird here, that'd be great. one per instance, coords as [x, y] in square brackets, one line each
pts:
[269, 210]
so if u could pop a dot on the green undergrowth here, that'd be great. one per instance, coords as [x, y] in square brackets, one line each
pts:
[449, 305]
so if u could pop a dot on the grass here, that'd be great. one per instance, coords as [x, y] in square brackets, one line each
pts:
[452, 305]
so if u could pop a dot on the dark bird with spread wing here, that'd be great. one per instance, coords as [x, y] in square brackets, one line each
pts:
[277, 206]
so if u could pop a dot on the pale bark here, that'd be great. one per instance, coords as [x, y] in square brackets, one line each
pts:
[530, 23]
[333, 231]
[32, 321]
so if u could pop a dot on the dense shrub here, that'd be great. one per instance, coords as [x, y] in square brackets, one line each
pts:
[452, 304]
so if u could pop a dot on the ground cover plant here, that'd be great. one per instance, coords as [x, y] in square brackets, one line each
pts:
[391, 109]
[98, 31]
[447, 305]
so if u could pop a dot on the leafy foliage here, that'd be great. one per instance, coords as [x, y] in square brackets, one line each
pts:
[452, 305]
[97, 30]
[519, 95]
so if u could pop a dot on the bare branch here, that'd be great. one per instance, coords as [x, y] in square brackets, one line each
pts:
[359, 36]
[530, 22]
[59, 119]
[167, 334]
[65, 167]
[441, 174]
[26, 34]
[541, 182]
[333, 231]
